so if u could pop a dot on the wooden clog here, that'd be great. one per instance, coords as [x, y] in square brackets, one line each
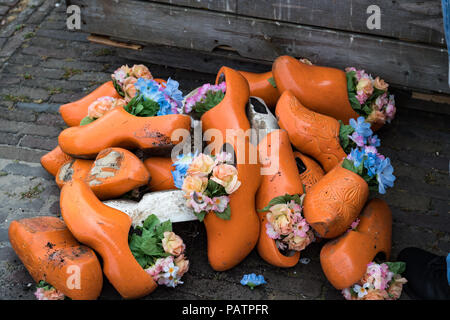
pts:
[276, 148]
[261, 87]
[50, 253]
[310, 132]
[335, 201]
[75, 169]
[118, 128]
[344, 260]
[310, 171]
[230, 241]
[320, 89]
[72, 113]
[54, 160]
[160, 170]
[106, 231]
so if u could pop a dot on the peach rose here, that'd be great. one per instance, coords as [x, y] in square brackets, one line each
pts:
[395, 290]
[120, 103]
[141, 71]
[380, 84]
[129, 88]
[172, 243]
[182, 264]
[227, 176]
[100, 106]
[375, 294]
[298, 243]
[202, 165]
[194, 184]
[280, 217]
[376, 116]
[365, 85]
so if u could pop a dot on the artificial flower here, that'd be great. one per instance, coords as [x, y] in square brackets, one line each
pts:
[375, 294]
[361, 290]
[219, 204]
[202, 165]
[298, 243]
[380, 84]
[200, 202]
[227, 176]
[361, 127]
[194, 183]
[140, 71]
[100, 106]
[280, 217]
[271, 231]
[129, 88]
[365, 86]
[385, 175]
[252, 280]
[183, 265]
[50, 294]
[173, 244]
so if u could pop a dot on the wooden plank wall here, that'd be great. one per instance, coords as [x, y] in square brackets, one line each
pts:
[336, 42]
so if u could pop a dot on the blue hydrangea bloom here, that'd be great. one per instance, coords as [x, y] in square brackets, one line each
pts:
[385, 177]
[181, 166]
[165, 108]
[252, 280]
[361, 127]
[356, 156]
[173, 92]
[178, 178]
[149, 89]
[374, 141]
[371, 164]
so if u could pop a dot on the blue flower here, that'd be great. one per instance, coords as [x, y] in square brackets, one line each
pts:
[361, 127]
[173, 92]
[149, 89]
[385, 177]
[178, 178]
[371, 163]
[374, 141]
[165, 107]
[356, 156]
[252, 280]
[181, 167]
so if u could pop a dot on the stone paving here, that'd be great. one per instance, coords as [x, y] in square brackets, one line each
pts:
[42, 65]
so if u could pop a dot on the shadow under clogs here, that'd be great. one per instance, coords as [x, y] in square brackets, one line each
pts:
[54, 160]
[344, 260]
[275, 150]
[310, 132]
[310, 171]
[320, 89]
[118, 128]
[105, 230]
[72, 113]
[50, 253]
[335, 201]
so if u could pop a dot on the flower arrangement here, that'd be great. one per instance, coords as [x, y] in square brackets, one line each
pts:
[45, 291]
[154, 99]
[204, 98]
[99, 107]
[252, 280]
[380, 282]
[286, 224]
[159, 251]
[370, 97]
[125, 77]
[357, 134]
[207, 182]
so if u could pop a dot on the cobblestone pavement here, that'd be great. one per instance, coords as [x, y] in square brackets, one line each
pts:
[43, 65]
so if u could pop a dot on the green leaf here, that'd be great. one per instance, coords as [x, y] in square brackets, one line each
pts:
[166, 226]
[140, 107]
[347, 164]
[351, 81]
[281, 200]
[213, 189]
[397, 267]
[344, 132]
[118, 88]
[272, 82]
[201, 215]
[86, 120]
[151, 222]
[212, 99]
[225, 215]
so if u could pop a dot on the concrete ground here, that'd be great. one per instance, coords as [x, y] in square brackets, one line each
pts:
[43, 65]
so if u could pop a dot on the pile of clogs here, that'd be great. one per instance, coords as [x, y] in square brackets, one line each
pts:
[95, 162]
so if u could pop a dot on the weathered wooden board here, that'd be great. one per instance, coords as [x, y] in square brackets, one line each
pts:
[402, 63]
[414, 20]
[216, 5]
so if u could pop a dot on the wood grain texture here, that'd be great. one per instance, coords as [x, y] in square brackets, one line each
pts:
[398, 62]
[413, 20]
[216, 5]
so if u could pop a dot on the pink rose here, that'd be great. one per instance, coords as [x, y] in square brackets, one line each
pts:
[365, 85]
[227, 176]
[280, 217]
[173, 244]
[182, 264]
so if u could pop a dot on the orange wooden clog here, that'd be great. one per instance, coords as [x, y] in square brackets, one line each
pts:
[160, 173]
[53, 160]
[75, 169]
[115, 172]
[230, 241]
[334, 202]
[72, 113]
[50, 253]
[320, 89]
[261, 87]
[286, 180]
[344, 260]
[310, 171]
[106, 231]
[310, 132]
[118, 128]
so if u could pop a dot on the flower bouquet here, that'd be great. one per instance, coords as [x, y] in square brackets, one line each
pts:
[45, 291]
[207, 183]
[203, 99]
[380, 282]
[285, 223]
[353, 93]
[159, 251]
